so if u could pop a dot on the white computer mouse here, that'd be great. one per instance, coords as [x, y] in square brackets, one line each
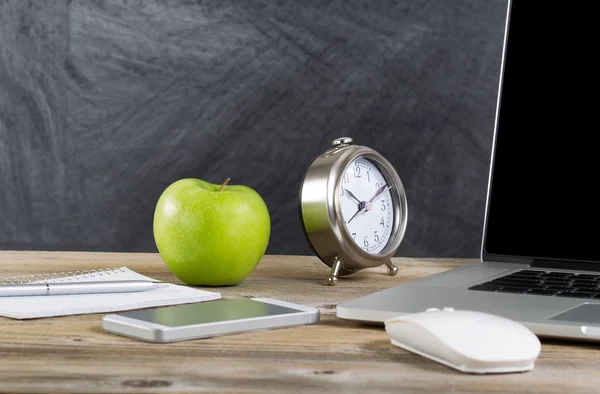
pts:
[468, 341]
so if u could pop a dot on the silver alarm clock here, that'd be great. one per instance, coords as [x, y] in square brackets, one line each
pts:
[353, 208]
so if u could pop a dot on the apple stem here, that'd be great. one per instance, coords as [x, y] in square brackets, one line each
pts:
[225, 183]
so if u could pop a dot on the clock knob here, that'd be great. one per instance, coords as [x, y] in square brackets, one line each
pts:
[343, 141]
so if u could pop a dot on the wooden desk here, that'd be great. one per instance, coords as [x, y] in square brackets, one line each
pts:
[74, 354]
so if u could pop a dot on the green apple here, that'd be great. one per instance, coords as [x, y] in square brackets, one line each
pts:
[211, 235]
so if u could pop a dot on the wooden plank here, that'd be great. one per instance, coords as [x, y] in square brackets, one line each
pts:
[74, 354]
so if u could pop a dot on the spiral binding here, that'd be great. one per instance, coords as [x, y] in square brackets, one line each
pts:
[60, 276]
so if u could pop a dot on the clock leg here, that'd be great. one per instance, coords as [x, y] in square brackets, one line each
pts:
[335, 270]
[392, 270]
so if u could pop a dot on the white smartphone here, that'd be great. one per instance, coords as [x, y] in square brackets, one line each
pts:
[208, 319]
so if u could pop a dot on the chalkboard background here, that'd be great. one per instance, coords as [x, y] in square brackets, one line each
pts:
[103, 104]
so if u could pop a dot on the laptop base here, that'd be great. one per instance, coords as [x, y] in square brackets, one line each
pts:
[546, 316]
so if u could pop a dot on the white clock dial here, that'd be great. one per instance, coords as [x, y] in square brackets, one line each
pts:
[367, 206]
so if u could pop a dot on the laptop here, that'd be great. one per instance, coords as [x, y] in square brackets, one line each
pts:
[540, 255]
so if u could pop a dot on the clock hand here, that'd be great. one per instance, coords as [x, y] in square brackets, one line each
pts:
[353, 216]
[361, 208]
[379, 191]
[365, 206]
[352, 196]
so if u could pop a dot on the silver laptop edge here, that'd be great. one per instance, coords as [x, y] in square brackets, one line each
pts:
[498, 99]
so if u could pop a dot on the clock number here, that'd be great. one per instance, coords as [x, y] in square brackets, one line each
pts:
[365, 242]
[354, 236]
[382, 223]
[357, 172]
[346, 178]
[377, 185]
[368, 177]
[383, 205]
[376, 237]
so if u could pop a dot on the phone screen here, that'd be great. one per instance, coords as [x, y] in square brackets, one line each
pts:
[209, 312]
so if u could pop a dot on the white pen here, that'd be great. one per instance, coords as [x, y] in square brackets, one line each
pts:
[46, 289]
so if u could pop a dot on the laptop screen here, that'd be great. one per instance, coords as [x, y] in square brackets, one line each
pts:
[544, 199]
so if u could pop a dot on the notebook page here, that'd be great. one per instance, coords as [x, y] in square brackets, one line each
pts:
[31, 307]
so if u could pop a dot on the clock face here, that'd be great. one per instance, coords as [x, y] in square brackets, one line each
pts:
[367, 206]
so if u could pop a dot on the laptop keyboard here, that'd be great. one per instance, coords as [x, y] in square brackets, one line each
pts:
[557, 284]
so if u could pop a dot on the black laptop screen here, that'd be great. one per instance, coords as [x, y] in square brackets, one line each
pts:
[544, 194]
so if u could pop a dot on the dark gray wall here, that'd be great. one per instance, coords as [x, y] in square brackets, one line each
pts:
[104, 103]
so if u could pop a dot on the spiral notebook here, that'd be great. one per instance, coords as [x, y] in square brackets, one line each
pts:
[32, 307]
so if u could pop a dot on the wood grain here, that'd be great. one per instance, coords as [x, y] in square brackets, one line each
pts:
[74, 354]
